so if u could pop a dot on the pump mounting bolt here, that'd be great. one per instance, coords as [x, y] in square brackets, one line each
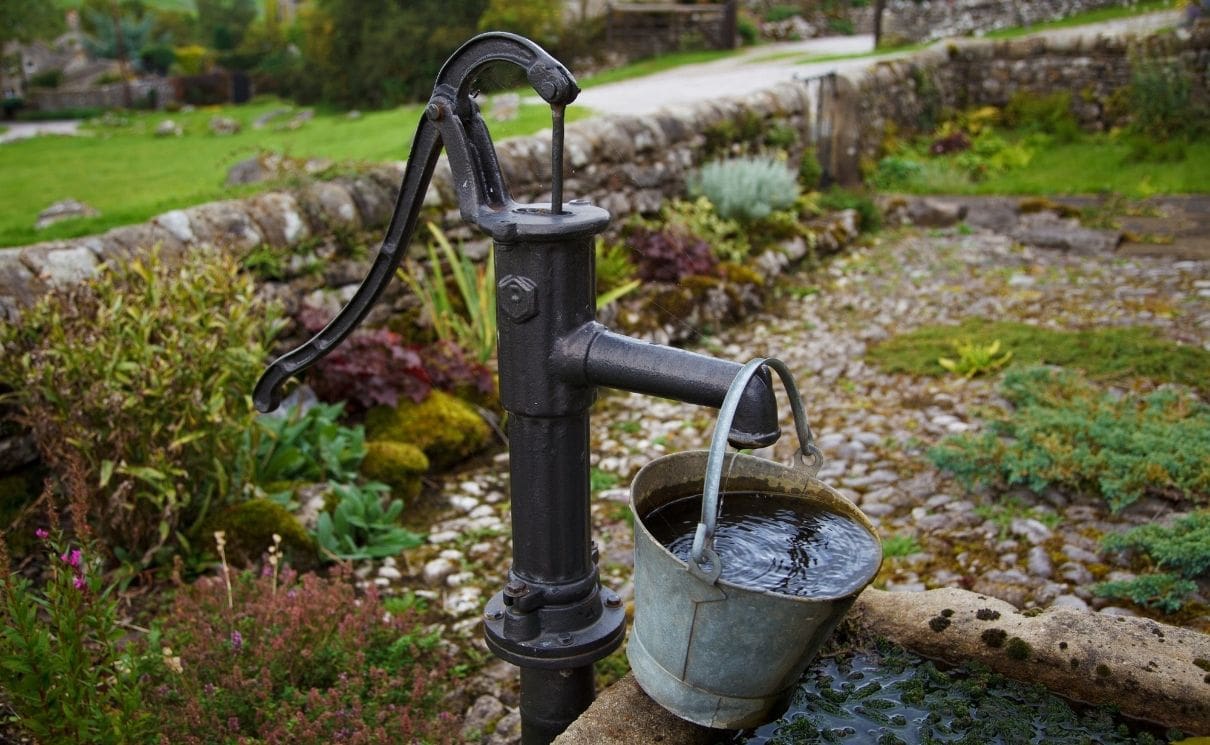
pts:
[565, 639]
[493, 615]
[613, 601]
[433, 112]
[517, 298]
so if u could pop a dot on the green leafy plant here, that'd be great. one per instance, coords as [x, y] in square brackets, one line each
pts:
[137, 382]
[975, 359]
[307, 446]
[613, 264]
[1066, 432]
[360, 528]
[869, 216]
[65, 673]
[468, 320]
[747, 189]
[1048, 114]
[727, 238]
[897, 546]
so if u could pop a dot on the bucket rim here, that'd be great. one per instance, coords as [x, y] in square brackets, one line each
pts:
[852, 511]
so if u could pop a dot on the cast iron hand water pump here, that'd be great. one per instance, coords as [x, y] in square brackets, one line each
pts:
[552, 618]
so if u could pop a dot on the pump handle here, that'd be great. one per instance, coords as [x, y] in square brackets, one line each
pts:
[451, 120]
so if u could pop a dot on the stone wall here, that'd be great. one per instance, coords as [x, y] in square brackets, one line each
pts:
[156, 91]
[910, 93]
[623, 163]
[908, 21]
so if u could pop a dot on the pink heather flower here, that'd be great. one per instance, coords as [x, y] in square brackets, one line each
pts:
[42, 534]
[72, 558]
[237, 640]
[79, 582]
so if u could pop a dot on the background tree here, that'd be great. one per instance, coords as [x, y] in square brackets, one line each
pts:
[223, 23]
[24, 21]
[378, 53]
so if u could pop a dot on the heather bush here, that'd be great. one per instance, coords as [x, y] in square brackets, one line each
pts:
[1065, 432]
[63, 670]
[370, 368]
[747, 189]
[298, 661]
[138, 381]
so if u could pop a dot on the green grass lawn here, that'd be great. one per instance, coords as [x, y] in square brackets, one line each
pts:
[130, 175]
[1094, 165]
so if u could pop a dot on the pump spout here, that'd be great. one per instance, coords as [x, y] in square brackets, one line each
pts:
[594, 355]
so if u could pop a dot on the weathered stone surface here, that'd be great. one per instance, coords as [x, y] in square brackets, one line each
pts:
[168, 128]
[18, 285]
[330, 204]
[279, 217]
[623, 714]
[65, 209]
[935, 213]
[225, 224]
[59, 263]
[1145, 668]
[223, 126]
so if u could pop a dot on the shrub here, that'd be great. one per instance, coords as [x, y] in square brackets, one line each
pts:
[137, 383]
[370, 368]
[302, 661]
[63, 671]
[727, 238]
[669, 255]
[895, 172]
[46, 79]
[1066, 432]
[975, 359]
[1162, 101]
[1183, 547]
[1165, 592]
[869, 216]
[747, 189]
[1048, 114]
[809, 170]
[613, 265]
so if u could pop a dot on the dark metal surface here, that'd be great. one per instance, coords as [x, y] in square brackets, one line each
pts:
[553, 618]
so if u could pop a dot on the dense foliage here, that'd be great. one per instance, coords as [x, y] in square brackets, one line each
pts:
[135, 386]
[669, 255]
[1066, 432]
[1178, 555]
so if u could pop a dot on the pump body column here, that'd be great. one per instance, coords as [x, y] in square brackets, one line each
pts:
[553, 619]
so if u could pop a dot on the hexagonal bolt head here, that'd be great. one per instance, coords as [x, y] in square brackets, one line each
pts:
[517, 298]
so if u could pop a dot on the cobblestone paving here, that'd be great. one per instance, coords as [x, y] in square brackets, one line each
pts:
[873, 427]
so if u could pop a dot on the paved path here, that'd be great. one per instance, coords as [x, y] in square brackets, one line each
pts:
[22, 130]
[761, 67]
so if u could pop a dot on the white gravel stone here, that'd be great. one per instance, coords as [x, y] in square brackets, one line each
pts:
[436, 570]
[1069, 601]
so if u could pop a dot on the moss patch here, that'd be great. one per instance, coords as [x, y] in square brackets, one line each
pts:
[396, 464]
[994, 638]
[1102, 353]
[445, 428]
[249, 528]
[1017, 648]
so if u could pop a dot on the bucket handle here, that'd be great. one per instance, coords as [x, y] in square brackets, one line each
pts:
[809, 458]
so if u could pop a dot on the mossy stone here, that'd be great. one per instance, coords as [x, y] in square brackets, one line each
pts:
[249, 527]
[447, 429]
[396, 464]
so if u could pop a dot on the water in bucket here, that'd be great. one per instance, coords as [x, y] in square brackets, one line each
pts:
[775, 542]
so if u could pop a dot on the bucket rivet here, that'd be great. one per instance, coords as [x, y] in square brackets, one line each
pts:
[565, 638]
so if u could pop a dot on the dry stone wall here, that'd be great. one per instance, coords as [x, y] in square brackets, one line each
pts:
[907, 95]
[910, 21]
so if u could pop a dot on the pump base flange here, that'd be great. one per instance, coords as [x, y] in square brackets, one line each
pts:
[553, 647]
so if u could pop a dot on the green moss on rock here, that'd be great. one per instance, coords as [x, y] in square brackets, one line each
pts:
[249, 527]
[445, 428]
[396, 464]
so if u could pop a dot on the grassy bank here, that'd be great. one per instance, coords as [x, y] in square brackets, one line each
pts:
[130, 175]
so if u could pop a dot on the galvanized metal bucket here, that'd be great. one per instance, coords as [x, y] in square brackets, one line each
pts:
[709, 651]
